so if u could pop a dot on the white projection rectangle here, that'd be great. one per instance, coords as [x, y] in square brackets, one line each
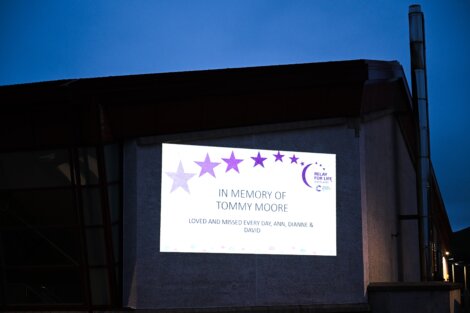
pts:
[252, 201]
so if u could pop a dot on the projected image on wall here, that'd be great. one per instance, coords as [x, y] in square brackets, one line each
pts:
[251, 201]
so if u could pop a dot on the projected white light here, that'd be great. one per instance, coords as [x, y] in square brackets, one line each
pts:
[233, 200]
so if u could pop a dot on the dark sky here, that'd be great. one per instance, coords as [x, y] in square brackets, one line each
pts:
[44, 40]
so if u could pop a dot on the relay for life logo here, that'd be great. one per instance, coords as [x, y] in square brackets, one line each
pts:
[234, 200]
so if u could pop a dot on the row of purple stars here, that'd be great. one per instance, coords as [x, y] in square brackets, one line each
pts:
[180, 177]
[207, 166]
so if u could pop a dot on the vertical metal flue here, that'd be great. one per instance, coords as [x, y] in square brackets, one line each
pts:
[420, 107]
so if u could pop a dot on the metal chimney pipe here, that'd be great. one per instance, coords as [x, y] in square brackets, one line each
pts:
[420, 108]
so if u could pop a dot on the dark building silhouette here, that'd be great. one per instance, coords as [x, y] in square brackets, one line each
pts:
[80, 172]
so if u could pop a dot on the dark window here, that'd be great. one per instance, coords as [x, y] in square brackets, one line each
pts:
[60, 227]
[29, 208]
[43, 286]
[91, 199]
[41, 247]
[34, 169]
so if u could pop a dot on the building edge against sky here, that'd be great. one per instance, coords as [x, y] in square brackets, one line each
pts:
[93, 148]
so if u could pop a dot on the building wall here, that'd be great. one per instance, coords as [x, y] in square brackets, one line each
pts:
[408, 209]
[415, 297]
[169, 280]
[129, 254]
[389, 190]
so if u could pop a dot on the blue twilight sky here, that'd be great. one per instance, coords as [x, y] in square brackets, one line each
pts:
[44, 40]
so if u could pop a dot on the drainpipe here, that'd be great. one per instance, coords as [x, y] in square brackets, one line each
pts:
[420, 108]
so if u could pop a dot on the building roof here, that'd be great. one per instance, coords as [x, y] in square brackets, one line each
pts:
[59, 112]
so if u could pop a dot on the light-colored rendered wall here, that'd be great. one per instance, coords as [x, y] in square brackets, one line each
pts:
[407, 206]
[389, 190]
[169, 280]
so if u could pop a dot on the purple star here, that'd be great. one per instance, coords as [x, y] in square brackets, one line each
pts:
[207, 166]
[232, 163]
[293, 159]
[180, 178]
[258, 160]
[278, 156]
